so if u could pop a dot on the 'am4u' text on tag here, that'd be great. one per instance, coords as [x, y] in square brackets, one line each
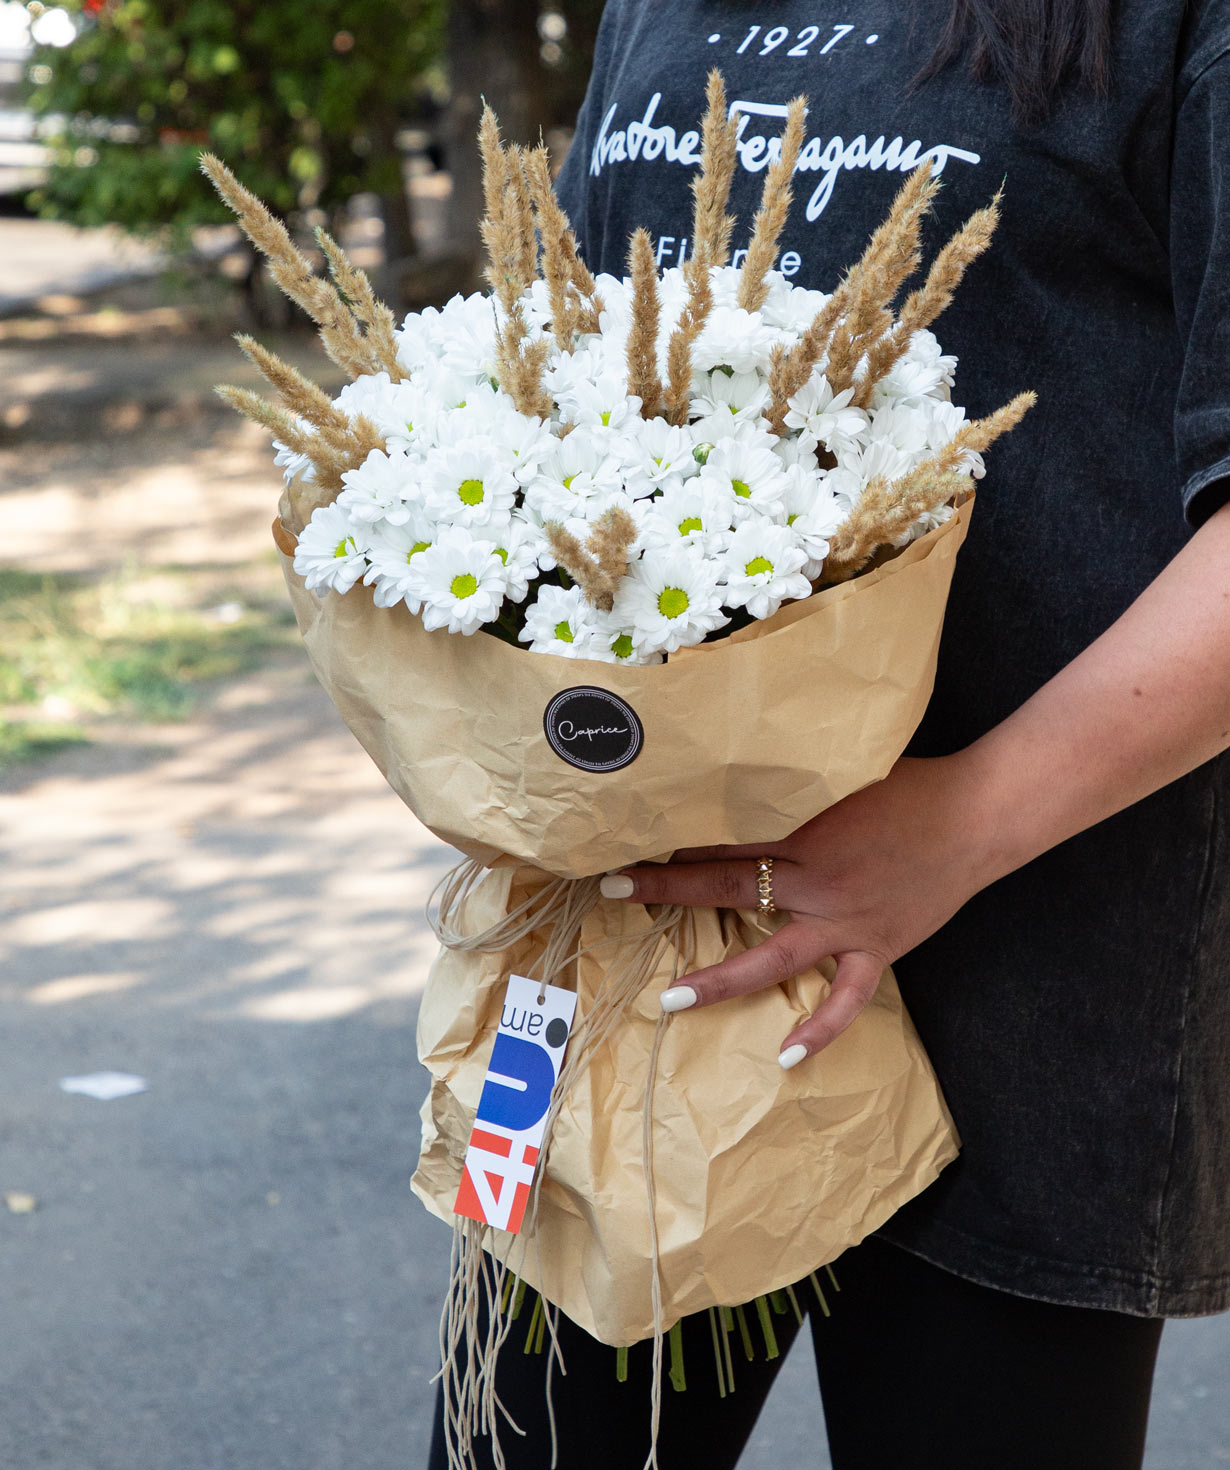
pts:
[503, 1150]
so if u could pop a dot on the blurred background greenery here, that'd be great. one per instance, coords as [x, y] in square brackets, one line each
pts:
[136, 574]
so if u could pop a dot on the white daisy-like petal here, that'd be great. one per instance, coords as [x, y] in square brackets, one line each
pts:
[670, 599]
[384, 487]
[698, 514]
[734, 338]
[460, 581]
[764, 568]
[825, 417]
[293, 466]
[391, 551]
[751, 472]
[469, 484]
[522, 547]
[331, 550]
[561, 622]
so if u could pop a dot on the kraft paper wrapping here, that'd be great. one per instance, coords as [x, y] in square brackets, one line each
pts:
[760, 1175]
[745, 738]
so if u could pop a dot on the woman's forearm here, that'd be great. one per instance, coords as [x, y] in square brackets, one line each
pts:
[1144, 704]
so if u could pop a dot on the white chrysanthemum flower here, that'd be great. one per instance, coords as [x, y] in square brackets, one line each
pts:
[734, 338]
[751, 472]
[670, 599]
[656, 453]
[904, 427]
[522, 548]
[612, 644]
[292, 465]
[469, 484]
[330, 553]
[825, 417]
[460, 581]
[383, 487]
[742, 395]
[402, 413]
[576, 472]
[944, 422]
[924, 372]
[696, 514]
[813, 514]
[792, 450]
[603, 402]
[928, 521]
[879, 458]
[764, 568]
[391, 551]
[724, 284]
[791, 308]
[561, 622]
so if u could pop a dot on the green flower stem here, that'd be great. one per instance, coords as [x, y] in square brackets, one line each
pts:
[678, 1380]
[794, 1302]
[745, 1332]
[766, 1326]
[717, 1353]
[621, 1365]
[728, 1325]
[815, 1282]
[535, 1318]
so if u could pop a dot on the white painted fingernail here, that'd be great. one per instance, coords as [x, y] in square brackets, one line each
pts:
[791, 1057]
[678, 998]
[616, 885]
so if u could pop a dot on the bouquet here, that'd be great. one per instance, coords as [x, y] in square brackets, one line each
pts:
[727, 509]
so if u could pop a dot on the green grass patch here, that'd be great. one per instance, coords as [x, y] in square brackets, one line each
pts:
[77, 651]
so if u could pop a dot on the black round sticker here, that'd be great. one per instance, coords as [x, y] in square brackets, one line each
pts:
[593, 729]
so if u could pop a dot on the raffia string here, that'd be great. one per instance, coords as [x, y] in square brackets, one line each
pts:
[472, 1404]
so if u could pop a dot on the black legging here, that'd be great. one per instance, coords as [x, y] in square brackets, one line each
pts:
[919, 1370]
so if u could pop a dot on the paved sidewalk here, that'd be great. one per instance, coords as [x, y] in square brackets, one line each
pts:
[44, 257]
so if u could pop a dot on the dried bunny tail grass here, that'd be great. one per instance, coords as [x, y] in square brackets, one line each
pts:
[858, 311]
[789, 369]
[679, 348]
[299, 394]
[771, 216]
[886, 510]
[356, 290]
[339, 332]
[598, 566]
[643, 380]
[571, 289]
[508, 223]
[923, 306]
[508, 233]
[711, 225]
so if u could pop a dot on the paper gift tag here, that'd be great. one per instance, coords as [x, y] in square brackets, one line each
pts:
[507, 1136]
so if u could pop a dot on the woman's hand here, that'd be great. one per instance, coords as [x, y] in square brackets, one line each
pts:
[864, 882]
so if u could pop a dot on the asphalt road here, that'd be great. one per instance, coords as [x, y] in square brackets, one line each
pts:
[229, 1270]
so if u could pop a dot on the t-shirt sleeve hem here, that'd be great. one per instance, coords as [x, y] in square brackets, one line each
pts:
[1206, 492]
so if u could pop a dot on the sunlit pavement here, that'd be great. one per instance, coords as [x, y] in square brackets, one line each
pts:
[229, 1269]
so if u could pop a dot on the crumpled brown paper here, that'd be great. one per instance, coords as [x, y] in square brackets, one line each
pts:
[745, 738]
[760, 1175]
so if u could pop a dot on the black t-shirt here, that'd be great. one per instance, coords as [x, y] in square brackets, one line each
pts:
[1078, 1012]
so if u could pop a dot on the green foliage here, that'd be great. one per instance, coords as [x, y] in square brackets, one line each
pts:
[302, 100]
[100, 649]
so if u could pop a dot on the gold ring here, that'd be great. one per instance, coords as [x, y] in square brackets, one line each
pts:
[764, 886]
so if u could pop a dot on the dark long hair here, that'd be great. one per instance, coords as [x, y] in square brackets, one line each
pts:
[1037, 48]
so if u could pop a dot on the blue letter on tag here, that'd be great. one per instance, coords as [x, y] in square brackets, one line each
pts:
[517, 1090]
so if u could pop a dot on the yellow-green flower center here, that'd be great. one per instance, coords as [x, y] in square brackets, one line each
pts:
[692, 523]
[470, 492]
[416, 548]
[741, 488]
[563, 631]
[622, 646]
[606, 418]
[343, 547]
[466, 585]
[568, 479]
[757, 565]
[502, 553]
[673, 602]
